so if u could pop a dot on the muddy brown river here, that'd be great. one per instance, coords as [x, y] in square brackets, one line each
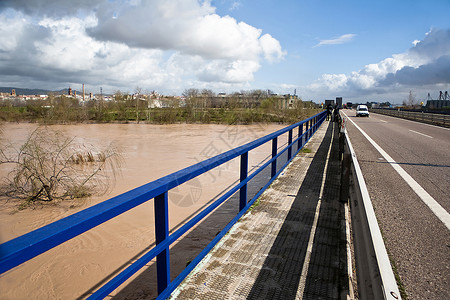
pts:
[75, 269]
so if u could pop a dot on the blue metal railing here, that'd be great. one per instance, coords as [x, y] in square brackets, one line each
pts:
[25, 247]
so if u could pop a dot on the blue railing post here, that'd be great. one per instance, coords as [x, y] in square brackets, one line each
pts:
[290, 142]
[274, 153]
[243, 190]
[161, 233]
[311, 132]
[306, 131]
[300, 138]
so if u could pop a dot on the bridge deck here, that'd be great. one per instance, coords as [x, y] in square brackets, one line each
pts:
[268, 254]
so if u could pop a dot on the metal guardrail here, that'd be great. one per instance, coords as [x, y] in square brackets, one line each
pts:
[23, 248]
[430, 118]
[375, 277]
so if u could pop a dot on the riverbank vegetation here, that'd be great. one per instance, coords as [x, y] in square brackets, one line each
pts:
[193, 106]
[50, 167]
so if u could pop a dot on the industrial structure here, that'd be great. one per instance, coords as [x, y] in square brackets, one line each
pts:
[442, 102]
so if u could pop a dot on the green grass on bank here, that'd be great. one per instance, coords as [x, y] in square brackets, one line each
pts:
[55, 115]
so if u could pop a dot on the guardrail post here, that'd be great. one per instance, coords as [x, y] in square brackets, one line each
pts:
[274, 153]
[243, 190]
[345, 177]
[161, 233]
[300, 138]
[289, 142]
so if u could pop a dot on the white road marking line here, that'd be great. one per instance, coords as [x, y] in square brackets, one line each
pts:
[421, 133]
[302, 284]
[383, 121]
[435, 207]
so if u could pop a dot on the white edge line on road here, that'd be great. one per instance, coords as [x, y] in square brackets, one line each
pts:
[428, 136]
[435, 207]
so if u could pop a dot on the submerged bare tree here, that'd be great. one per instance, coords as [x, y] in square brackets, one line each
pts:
[52, 167]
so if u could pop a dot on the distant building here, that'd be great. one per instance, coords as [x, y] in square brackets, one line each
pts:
[287, 101]
[339, 102]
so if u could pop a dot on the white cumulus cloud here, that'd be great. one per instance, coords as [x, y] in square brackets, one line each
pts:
[152, 43]
[271, 48]
[426, 63]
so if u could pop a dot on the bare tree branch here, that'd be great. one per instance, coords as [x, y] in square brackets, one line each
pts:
[51, 167]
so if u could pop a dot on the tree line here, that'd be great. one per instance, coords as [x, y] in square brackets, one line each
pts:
[195, 106]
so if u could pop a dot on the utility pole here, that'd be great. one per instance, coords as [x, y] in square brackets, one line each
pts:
[137, 107]
[137, 93]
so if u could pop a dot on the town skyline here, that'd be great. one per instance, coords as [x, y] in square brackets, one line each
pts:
[39, 93]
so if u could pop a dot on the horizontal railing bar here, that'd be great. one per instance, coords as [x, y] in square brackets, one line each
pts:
[276, 174]
[188, 225]
[40, 240]
[125, 274]
[25, 247]
[129, 271]
[171, 287]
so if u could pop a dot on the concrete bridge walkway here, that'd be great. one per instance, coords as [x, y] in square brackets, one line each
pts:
[292, 244]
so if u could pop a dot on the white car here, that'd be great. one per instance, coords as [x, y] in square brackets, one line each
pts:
[362, 111]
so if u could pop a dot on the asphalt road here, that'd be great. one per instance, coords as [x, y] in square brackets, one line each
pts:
[417, 240]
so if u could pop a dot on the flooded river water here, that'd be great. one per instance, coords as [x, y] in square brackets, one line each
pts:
[74, 269]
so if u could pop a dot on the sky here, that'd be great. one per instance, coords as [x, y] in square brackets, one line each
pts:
[319, 49]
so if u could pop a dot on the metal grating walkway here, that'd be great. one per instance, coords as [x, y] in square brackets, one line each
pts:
[263, 255]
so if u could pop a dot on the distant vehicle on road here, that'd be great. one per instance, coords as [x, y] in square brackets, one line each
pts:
[362, 111]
